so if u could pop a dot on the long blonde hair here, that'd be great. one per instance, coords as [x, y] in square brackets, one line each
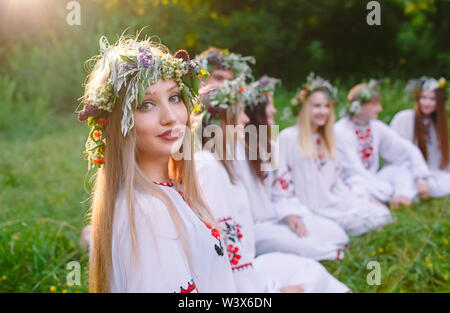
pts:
[121, 172]
[226, 116]
[326, 132]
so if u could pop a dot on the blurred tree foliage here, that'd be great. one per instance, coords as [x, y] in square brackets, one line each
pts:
[289, 38]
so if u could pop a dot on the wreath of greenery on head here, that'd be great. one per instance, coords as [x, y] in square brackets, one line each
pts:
[256, 92]
[313, 83]
[224, 59]
[222, 97]
[366, 92]
[415, 86]
[132, 66]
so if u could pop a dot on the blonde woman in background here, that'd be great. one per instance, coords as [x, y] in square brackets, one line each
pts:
[308, 153]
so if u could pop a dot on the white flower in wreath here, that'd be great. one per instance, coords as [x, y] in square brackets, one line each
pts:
[355, 107]
[430, 84]
[294, 101]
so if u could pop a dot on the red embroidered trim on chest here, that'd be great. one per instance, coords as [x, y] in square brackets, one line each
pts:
[365, 141]
[427, 125]
[321, 155]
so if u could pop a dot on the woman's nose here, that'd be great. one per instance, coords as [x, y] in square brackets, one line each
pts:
[167, 114]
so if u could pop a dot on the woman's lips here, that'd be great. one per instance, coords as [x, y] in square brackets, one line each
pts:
[170, 135]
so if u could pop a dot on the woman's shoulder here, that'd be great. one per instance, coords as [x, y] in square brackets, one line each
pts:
[205, 159]
[204, 155]
[342, 121]
[289, 133]
[402, 116]
[342, 128]
[380, 126]
[146, 207]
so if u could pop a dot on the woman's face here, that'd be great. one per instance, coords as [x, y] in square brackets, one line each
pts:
[242, 118]
[370, 110]
[319, 108]
[427, 102]
[270, 111]
[218, 77]
[160, 120]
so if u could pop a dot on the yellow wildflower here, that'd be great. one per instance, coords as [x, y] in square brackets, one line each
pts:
[52, 288]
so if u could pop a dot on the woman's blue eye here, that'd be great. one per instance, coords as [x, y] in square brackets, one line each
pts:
[145, 106]
[175, 98]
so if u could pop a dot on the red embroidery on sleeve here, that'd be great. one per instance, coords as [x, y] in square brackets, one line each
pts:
[190, 288]
[216, 234]
[233, 254]
[243, 266]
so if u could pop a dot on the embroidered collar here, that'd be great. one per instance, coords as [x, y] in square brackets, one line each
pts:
[358, 124]
[167, 184]
[365, 142]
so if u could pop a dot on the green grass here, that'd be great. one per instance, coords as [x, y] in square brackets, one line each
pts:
[396, 247]
[43, 210]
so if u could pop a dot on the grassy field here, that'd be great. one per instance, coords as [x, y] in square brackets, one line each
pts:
[43, 206]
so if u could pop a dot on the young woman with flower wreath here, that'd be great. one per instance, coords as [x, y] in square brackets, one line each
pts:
[282, 222]
[308, 156]
[427, 127]
[151, 229]
[220, 180]
[224, 65]
[361, 139]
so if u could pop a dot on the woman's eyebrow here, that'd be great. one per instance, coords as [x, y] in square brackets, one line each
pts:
[171, 88]
[150, 94]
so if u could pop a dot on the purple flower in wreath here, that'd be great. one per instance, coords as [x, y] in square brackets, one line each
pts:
[263, 80]
[145, 57]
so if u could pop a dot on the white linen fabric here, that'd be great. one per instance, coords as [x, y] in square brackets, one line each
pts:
[161, 264]
[268, 272]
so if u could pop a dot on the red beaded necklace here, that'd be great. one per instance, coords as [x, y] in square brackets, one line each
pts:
[168, 184]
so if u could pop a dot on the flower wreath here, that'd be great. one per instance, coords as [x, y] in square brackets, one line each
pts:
[222, 97]
[132, 67]
[415, 86]
[313, 83]
[256, 92]
[366, 93]
[225, 59]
